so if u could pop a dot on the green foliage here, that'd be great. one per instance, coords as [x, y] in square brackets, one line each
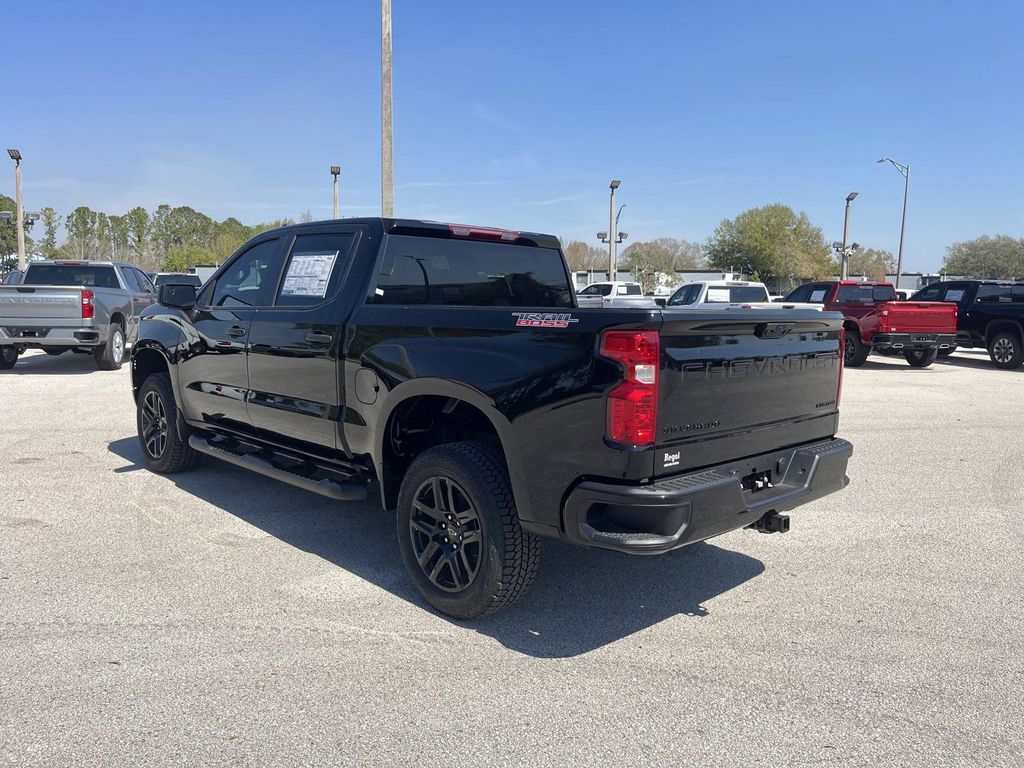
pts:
[999, 257]
[8, 235]
[181, 257]
[50, 221]
[871, 263]
[772, 242]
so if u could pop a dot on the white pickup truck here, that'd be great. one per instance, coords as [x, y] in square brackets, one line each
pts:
[82, 306]
[725, 294]
[614, 296]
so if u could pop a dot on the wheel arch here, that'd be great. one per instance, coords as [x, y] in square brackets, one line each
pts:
[995, 326]
[450, 412]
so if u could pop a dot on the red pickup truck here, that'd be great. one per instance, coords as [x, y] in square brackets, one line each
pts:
[876, 320]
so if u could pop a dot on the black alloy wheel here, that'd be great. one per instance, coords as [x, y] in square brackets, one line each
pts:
[154, 424]
[446, 536]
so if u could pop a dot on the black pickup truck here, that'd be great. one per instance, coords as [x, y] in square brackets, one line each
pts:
[450, 368]
[990, 315]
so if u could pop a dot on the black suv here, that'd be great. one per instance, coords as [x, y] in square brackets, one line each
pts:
[990, 315]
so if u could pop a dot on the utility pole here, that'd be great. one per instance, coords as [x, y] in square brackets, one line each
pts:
[335, 172]
[845, 254]
[387, 168]
[15, 155]
[612, 256]
[905, 172]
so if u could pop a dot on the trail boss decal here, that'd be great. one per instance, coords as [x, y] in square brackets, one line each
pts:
[544, 319]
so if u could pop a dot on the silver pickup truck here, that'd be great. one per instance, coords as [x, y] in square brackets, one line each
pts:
[91, 307]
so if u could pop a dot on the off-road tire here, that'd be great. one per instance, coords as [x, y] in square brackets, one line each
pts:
[8, 358]
[920, 358]
[856, 351]
[110, 356]
[175, 454]
[508, 555]
[1005, 350]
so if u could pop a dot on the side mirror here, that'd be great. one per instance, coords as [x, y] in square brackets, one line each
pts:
[177, 295]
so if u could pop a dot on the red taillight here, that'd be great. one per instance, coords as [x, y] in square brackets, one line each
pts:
[633, 404]
[483, 233]
[88, 310]
[842, 363]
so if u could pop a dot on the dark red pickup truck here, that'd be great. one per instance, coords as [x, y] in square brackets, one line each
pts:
[876, 320]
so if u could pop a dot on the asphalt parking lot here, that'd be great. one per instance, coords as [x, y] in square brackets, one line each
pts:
[220, 618]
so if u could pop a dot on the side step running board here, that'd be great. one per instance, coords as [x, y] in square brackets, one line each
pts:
[334, 489]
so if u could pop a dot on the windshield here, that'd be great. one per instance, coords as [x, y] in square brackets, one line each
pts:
[71, 274]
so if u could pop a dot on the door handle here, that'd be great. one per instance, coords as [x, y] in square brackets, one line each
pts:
[318, 338]
[236, 331]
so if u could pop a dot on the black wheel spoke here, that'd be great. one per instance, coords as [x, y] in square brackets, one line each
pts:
[442, 522]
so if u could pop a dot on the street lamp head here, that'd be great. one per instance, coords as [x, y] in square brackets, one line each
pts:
[883, 160]
[623, 236]
[15, 155]
[602, 235]
[335, 170]
[615, 184]
[851, 196]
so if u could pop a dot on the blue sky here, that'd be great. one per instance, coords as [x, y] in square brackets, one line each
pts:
[518, 114]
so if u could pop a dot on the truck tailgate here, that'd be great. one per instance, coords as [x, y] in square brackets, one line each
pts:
[737, 383]
[39, 302]
[915, 316]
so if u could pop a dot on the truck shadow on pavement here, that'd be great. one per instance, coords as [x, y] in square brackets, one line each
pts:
[67, 364]
[582, 600]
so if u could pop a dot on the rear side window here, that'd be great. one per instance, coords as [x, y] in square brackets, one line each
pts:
[631, 289]
[70, 274]
[314, 269]
[244, 283]
[995, 293]
[684, 295]
[470, 273]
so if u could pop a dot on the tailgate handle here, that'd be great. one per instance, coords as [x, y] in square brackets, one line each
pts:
[773, 330]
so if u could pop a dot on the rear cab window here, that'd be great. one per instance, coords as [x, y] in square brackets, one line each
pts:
[469, 273]
[865, 294]
[89, 275]
[732, 294]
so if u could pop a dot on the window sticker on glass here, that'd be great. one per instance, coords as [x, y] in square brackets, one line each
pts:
[817, 297]
[308, 274]
[954, 294]
[718, 295]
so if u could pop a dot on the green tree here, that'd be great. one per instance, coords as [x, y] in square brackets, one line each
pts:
[8, 235]
[772, 243]
[871, 263]
[51, 223]
[999, 257]
[81, 227]
[181, 257]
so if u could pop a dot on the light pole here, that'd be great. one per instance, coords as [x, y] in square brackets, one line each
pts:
[387, 168]
[19, 206]
[335, 172]
[905, 170]
[845, 272]
[613, 237]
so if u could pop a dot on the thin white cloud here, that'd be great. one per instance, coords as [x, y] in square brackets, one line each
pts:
[553, 201]
[493, 118]
[430, 184]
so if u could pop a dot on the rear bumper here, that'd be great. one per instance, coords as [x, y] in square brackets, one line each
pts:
[28, 336]
[913, 340]
[671, 513]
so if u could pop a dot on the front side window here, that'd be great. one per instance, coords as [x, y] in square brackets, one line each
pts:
[470, 273]
[314, 270]
[245, 281]
[131, 279]
[684, 295]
